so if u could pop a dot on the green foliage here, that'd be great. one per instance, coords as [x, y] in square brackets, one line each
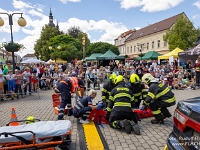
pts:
[42, 44]
[182, 34]
[74, 31]
[101, 47]
[71, 48]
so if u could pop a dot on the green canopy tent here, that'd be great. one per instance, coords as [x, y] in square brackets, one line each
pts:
[151, 55]
[93, 57]
[109, 55]
[138, 58]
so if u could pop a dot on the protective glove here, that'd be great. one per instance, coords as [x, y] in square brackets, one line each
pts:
[144, 105]
[107, 116]
[100, 106]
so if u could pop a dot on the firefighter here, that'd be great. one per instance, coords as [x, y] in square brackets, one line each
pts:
[159, 97]
[138, 89]
[107, 88]
[120, 108]
[84, 105]
[64, 87]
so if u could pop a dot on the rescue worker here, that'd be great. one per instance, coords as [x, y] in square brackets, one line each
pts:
[138, 89]
[64, 87]
[84, 105]
[120, 108]
[107, 88]
[159, 97]
[76, 86]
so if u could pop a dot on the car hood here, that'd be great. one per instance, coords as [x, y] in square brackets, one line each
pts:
[193, 105]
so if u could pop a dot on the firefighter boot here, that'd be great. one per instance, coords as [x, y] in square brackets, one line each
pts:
[165, 112]
[135, 127]
[154, 121]
[126, 125]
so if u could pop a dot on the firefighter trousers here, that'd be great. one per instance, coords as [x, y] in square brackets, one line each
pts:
[159, 109]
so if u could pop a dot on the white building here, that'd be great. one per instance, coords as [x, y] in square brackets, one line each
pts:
[28, 56]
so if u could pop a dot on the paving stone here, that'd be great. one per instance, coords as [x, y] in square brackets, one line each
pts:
[151, 135]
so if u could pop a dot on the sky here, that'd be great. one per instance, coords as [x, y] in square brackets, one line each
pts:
[102, 20]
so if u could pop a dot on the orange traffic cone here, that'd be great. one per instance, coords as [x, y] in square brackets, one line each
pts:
[13, 118]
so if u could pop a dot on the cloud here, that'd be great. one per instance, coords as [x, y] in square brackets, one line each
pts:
[195, 16]
[21, 5]
[65, 1]
[3, 40]
[150, 5]
[107, 31]
[197, 3]
[111, 29]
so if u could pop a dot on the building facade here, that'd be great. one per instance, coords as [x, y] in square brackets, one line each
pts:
[120, 41]
[150, 38]
[28, 56]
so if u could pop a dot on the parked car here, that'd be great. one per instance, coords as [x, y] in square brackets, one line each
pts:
[186, 129]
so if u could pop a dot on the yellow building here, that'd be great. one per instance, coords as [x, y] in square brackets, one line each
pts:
[149, 38]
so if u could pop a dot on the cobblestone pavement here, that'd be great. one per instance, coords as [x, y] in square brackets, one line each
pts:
[153, 137]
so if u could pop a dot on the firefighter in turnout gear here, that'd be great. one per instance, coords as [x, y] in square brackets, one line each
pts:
[138, 89]
[159, 97]
[120, 108]
[107, 88]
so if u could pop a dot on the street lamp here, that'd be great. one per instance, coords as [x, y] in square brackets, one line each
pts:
[21, 22]
[83, 43]
[140, 48]
[58, 47]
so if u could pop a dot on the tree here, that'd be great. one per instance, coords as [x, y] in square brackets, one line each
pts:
[41, 46]
[101, 47]
[71, 48]
[182, 34]
[74, 31]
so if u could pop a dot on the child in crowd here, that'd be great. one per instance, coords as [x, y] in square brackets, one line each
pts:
[11, 83]
[175, 84]
[18, 79]
[34, 80]
[170, 80]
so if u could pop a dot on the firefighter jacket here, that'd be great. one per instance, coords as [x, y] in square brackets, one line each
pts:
[64, 86]
[139, 91]
[107, 88]
[121, 99]
[160, 92]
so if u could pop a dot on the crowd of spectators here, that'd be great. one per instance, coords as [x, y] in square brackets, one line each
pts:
[28, 77]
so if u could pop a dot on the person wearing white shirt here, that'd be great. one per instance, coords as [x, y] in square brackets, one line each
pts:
[154, 64]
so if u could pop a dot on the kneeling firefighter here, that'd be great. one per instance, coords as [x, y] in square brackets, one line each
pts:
[107, 88]
[159, 97]
[120, 108]
[138, 89]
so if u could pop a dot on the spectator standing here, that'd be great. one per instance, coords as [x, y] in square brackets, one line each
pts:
[11, 83]
[26, 79]
[197, 70]
[154, 64]
[18, 79]
[139, 71]
[1, 81]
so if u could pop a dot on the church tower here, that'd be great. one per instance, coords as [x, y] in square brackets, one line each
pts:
[51, 19]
